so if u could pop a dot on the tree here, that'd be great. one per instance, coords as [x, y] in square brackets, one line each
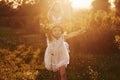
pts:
[101, 5]
[22, 7]
[117, 7]
[5, 8]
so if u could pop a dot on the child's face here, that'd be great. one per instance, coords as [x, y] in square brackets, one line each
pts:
[56, 32]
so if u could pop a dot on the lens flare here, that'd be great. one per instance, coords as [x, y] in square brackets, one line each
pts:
[81, 3]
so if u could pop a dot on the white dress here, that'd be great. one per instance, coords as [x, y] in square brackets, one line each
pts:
[56, 54]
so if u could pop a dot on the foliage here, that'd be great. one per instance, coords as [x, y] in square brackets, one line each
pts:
[117, 41]
[117, 7]
[101, 5]
[18, 61]
[26, 23]
[20, 64]
[94, 54]
[101, 30]
[5, 8]
[89, 66]
[23, 7]
[8, 39]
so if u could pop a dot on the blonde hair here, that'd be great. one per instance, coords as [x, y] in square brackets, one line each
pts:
[49, 33]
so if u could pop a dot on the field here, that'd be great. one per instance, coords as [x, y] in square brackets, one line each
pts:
[94, 54]
[89, 67]
[21, 58]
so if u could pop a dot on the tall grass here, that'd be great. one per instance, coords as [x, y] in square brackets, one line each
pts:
[8, 38]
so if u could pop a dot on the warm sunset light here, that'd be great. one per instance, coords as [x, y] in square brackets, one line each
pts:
[112, 3]
[76, 4]
[85, 3]
[81, 3]
[59, 39]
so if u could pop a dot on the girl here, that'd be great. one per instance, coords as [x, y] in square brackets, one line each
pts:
[56, 56]
[56, 14]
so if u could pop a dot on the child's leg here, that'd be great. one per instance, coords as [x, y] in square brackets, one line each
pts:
[57, 75]
[63, 73]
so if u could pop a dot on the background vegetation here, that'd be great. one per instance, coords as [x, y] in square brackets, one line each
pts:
[94, 54]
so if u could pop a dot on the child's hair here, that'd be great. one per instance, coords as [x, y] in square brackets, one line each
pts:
[49, 33]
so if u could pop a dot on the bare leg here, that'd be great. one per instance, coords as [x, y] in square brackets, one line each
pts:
[63, 73]
[57, 75]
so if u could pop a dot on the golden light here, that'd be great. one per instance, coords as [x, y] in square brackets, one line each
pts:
[81, 3]
[76, 4]
[112, 3]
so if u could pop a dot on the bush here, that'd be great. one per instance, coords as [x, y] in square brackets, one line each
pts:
[20, 64]
[101, 30]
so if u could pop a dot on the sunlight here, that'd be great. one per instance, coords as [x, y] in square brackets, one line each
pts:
[76, 4]
[81, 3]
[112, 3]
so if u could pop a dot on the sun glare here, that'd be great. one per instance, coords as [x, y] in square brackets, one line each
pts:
[112, 3]
[82, 4]
[76, 4]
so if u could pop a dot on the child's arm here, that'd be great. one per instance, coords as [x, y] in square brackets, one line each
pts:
[72, 34]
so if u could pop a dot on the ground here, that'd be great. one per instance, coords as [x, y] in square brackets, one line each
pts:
[83, 66]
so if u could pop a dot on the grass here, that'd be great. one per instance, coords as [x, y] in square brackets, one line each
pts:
[89, 67]
[8, 38]
[83, 66]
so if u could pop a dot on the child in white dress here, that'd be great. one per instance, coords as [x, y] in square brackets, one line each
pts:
[57, 56]
[57, 52]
